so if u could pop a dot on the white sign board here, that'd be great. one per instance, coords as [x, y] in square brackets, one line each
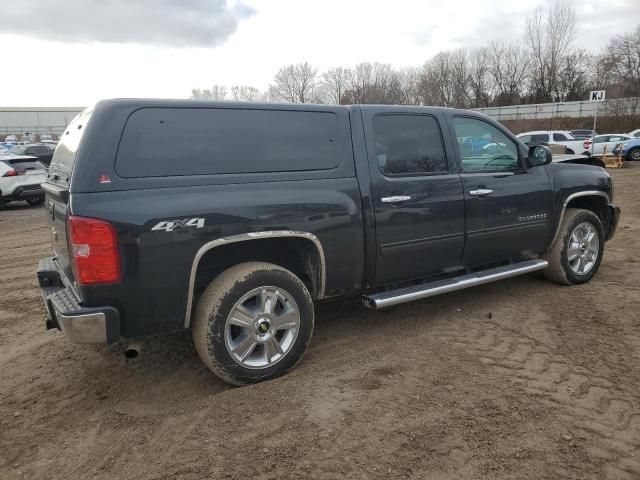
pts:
[596, 96]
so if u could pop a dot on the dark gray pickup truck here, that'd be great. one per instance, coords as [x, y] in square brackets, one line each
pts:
[233, 219]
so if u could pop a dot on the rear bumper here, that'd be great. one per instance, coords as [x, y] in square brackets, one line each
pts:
[28, 191]
[23, 192]
[64, 311]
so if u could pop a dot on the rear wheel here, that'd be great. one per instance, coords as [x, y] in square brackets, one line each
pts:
[253, 322]
[576, 253]
[634, 154]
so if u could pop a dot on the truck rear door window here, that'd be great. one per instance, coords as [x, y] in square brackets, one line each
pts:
[408, 145]
[159, 142]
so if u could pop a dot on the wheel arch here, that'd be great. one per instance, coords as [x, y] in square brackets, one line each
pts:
[593, 200]
[310, 259]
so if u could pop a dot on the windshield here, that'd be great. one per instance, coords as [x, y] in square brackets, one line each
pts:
[65, 153]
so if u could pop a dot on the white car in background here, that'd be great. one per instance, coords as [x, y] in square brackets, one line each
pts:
[610, 140]
[554, 137]
[635, 133]
[21, 177]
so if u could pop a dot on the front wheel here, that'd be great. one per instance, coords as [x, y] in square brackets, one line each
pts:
[253, 322]
[576, 253]
[634, 154]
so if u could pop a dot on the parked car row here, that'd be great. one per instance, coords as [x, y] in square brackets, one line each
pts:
[559, 137]
[45, 138]
[587, 142]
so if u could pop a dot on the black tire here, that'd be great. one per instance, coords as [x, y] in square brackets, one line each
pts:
[634, 154]
[3, 204]
[221, 297]
[559, 269]
[36, 201]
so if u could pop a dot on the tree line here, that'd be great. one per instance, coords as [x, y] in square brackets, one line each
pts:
[544, 66]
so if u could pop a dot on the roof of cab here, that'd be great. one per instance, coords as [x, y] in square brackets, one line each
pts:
[188, 103]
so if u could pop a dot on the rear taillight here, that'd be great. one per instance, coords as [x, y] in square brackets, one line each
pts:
[14, 173]
[94, 248]
[586, 144]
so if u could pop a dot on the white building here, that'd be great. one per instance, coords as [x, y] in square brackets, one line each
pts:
[20, 120]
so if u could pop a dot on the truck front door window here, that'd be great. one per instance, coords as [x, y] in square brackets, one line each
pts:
[483, 147]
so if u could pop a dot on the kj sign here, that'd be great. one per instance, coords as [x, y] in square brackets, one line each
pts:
[596, 96]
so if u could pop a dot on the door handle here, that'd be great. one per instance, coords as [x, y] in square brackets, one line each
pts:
[480, 192]
[396, 199]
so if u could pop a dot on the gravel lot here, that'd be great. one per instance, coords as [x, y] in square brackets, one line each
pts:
[518, 379]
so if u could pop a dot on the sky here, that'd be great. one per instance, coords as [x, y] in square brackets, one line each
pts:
[75, 52]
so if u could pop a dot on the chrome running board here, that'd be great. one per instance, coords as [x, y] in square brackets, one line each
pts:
[380, 300]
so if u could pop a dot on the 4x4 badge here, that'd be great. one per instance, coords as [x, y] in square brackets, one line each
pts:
[171, 225]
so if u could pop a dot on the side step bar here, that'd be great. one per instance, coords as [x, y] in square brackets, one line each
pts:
[376, 301]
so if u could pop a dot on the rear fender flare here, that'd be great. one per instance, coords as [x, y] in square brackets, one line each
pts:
[243, 237]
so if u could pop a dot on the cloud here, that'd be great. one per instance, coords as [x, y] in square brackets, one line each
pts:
[184, 23]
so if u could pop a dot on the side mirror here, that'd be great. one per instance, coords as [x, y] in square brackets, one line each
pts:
[539, 155]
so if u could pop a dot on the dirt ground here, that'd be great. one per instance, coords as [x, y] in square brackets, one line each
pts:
[517, 379]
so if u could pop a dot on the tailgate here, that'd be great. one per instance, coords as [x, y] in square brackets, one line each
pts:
[57, 207]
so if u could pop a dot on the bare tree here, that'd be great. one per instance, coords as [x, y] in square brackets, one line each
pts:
[437, 85]
[369, 83]
[245, 93]
[508, 66]
[621, 59]
[461, 79]
[480, 80]
[295, 83]
[359, 80]
[334, 83]
[408, 84]
[549, 33]
[576, 76]
[546, 68]
[217, 92]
